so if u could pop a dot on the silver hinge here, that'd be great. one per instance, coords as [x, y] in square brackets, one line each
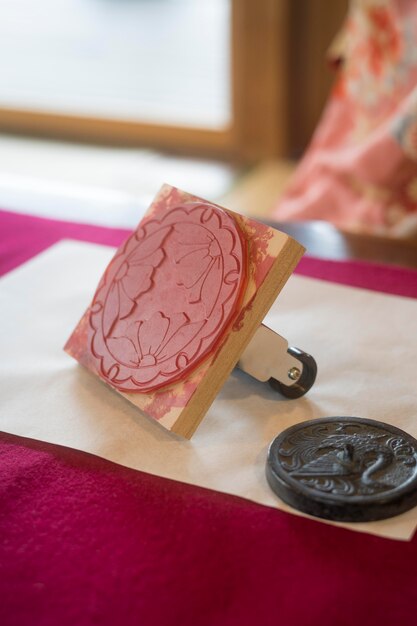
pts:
[268, 358]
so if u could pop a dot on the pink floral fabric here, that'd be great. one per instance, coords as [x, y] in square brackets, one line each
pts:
[360, 170]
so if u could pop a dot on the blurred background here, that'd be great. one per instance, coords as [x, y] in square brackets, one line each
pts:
[102, 101]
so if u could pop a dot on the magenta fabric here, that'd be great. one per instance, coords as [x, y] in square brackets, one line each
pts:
[24, 236]
[84, 541]
[400, 281]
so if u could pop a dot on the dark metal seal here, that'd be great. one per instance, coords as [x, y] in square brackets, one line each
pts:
[345, 469]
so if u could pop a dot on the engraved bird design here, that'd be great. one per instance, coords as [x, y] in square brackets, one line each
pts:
[354, 456]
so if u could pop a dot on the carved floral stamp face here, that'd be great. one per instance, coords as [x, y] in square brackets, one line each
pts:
[178, 304]
[168, 297]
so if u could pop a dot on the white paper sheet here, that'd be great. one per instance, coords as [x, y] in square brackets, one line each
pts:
[365, 344]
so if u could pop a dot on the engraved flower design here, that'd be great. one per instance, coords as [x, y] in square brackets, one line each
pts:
[132, 278]
[200, 263]
[166, 297]
[151, 335]
[154, 342]
[161, 337]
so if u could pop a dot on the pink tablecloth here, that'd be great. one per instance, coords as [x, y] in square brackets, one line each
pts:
[84, 541]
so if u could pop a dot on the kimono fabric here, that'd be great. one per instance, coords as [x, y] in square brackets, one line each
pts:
[360, 170]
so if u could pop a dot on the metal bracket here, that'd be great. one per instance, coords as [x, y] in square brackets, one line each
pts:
[268, 358]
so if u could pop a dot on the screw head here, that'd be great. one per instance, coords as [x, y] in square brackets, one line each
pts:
[294, 373]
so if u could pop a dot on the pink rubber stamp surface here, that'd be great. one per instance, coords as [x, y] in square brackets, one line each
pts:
[178, 304]
[167, 298]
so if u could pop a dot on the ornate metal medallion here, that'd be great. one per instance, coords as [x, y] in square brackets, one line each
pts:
[345, 469]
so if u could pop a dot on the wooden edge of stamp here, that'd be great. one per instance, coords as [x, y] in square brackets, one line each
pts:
[227, 357]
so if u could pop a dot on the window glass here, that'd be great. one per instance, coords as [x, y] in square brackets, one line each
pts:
[157, 61]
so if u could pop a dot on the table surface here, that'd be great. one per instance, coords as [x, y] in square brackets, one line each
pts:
[325, 241]
[86, 541]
